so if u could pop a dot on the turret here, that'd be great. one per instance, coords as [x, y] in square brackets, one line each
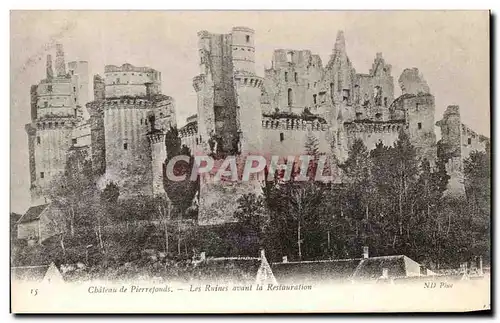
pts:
[243, 49]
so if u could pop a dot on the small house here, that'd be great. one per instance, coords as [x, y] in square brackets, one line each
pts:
[37, 224]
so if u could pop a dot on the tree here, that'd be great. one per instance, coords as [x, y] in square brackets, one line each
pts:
[180, 193]
[359, 181]
[251, 213]
[73, 189]
[477, 173]
[294, 206]
[164, 208]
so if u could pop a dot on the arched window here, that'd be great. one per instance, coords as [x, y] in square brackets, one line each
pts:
[315, 98]
[290, 97]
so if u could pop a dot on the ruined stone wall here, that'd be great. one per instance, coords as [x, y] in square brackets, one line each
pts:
[81, 135]
[377, 87]
[371, 133]
[458, 141]
[471, 141]
[340, 76]
[99, 88]
[293, 82]
[420, 122]
[217, 110]
[218, 199]
[79, 72]
[284, 137]
[451, 134]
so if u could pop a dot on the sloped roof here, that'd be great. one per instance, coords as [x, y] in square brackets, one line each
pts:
[311, 271]
[29, 273]
[228, 270]
[371, 268]
[33, 213]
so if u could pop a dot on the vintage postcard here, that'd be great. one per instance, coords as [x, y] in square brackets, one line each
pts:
[250, 161]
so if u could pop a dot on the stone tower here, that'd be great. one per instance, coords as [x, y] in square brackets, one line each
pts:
[416, 107]
[450, 148]
[55, 113]
[248, 91]
[217, 107]
[129, 117]
[243, 49]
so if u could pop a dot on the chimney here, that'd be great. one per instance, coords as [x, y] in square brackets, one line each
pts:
[285, 259]
[365, 252]
[50, 72]
[423, 270]
[203, 256]
[60, 64]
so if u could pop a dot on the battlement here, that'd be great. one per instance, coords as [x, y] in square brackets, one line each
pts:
[190, 129]
[56, 123]
[123, 102]
[368, 126]
[128, 68]
[243, 29]
[156, 137]
[250, 80]
[293, 124]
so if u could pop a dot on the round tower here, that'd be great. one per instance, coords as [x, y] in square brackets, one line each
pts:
[248, 90]
[127, 149]
[243, 49]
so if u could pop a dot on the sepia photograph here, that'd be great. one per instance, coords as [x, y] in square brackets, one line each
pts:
[250, 161]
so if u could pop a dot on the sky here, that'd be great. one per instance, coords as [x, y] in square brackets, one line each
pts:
[450, 48]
